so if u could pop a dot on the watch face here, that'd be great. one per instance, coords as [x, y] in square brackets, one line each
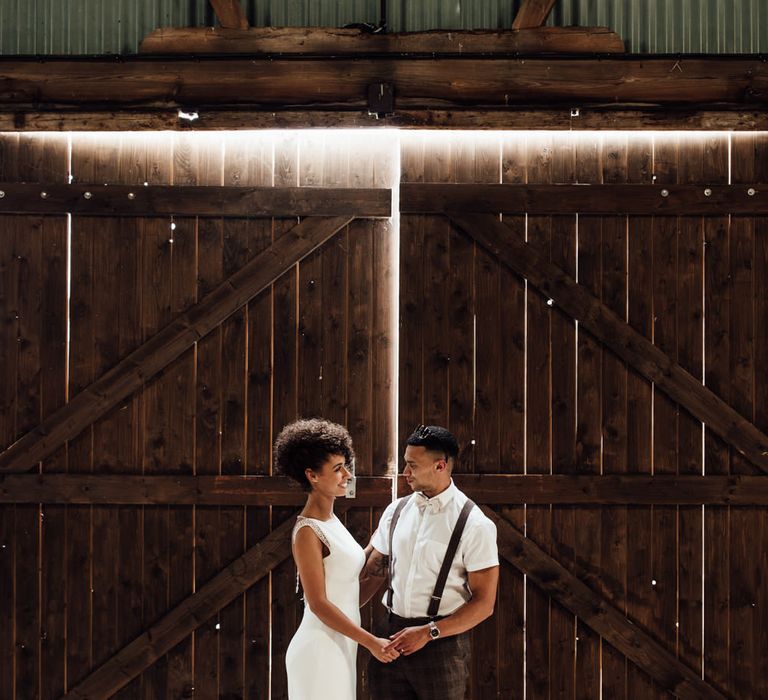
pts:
[434, 632]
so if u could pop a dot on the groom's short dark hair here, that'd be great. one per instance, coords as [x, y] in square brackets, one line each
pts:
[435, 439]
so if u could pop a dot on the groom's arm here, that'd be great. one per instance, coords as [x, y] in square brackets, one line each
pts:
[483, 585]
[373, 574]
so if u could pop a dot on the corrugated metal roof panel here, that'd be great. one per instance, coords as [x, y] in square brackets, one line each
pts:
[647, 26]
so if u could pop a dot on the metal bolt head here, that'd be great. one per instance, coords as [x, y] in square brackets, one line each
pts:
[751, 192]
[44, 195]
[87, 195]
[665, 193]
[131, 195]
[707, 192]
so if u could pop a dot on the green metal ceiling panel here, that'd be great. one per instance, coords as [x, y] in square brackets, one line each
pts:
[647, 26]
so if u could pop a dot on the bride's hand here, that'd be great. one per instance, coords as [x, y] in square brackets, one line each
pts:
[377, 648]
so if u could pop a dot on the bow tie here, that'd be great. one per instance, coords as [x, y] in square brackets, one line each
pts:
[431, 505]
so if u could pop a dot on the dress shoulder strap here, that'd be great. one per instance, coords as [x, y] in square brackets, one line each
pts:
[301, 522]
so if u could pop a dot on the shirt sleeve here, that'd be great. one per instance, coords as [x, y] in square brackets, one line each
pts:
[479, 550]
[380, 539]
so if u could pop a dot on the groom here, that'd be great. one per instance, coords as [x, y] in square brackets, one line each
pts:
[439, 552]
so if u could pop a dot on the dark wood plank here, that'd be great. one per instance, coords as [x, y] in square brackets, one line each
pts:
[230, 14]
[509, 487]
[285, 607]
[165, 346]
[662, 592]
[604, 325]
[639, 406]
[411, 332]
[538, 427]
[179, 622]
[746, 578]
[532, 13]
[759, 529]
[563, 198]
[185, 199]
[599, 614]
[563, 408]
[587, 534]
[509, 407]
[315, 40]
[653, 81]
[206, 167]
[250, 163]
[614, 407]
[603, 116]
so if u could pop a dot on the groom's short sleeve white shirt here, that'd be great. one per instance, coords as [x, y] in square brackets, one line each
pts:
[421, 538]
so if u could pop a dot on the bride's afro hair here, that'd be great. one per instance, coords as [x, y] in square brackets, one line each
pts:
[307, 444]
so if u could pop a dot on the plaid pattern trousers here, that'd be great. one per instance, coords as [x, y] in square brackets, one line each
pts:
[438, 671]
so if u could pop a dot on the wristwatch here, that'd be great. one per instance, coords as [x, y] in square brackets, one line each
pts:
[434, 631]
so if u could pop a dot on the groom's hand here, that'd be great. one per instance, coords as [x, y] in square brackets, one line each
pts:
[409, 640]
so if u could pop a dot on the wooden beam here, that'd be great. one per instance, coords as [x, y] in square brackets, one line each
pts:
[588, 199]
[125, 489]
[696, 118]
[597, 319]
[160, 350]
[154, 200]
[276, 41]
[230, 14]
[376, 491]
[186, 617]
[599, 614]
[532, 13]
[269, 84]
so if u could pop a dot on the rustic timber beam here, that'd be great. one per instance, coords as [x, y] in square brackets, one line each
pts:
[230, 14]
[696, 118]
[154, 200]
[608, 328]
[128, 489]
[428, 198]
[532, 13]
[160, 350]
[280, 41]
[186, 617]
[599, 614]
[376, 491]
[341, 84]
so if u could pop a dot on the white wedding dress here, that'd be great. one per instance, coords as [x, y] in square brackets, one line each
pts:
[322, 663]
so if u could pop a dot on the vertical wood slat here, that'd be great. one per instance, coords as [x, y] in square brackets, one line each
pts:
[588, 439]
[132, 168]
[747, 525]
[285, 408]
[8, 303]
[614, 378]
[178, 385]
[639, 407]
[207, 170]
[252, 164]
[538, 429]
[508, 375]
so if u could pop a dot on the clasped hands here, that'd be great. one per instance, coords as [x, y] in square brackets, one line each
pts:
[409, 640]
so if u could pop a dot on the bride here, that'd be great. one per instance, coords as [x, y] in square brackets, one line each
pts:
[321, 658]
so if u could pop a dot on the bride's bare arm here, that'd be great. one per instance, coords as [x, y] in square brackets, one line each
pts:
[373, 574]
[308, 553]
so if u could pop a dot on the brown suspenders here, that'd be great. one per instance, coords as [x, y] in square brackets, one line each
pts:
[450, 553]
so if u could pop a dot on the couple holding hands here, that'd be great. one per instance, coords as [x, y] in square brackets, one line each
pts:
[434, 548]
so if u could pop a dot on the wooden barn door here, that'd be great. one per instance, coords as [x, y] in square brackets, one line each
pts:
[79, 582]
[529, 391]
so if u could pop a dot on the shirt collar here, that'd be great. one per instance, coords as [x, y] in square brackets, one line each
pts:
[436, 503]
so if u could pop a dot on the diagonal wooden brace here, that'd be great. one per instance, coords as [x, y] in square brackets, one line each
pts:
[597, 612]
[608, 328]
[160, 350]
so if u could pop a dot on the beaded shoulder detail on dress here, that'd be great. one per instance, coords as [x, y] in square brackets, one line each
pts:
[301, 522]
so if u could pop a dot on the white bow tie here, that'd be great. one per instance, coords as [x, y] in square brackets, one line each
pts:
[431, 505]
